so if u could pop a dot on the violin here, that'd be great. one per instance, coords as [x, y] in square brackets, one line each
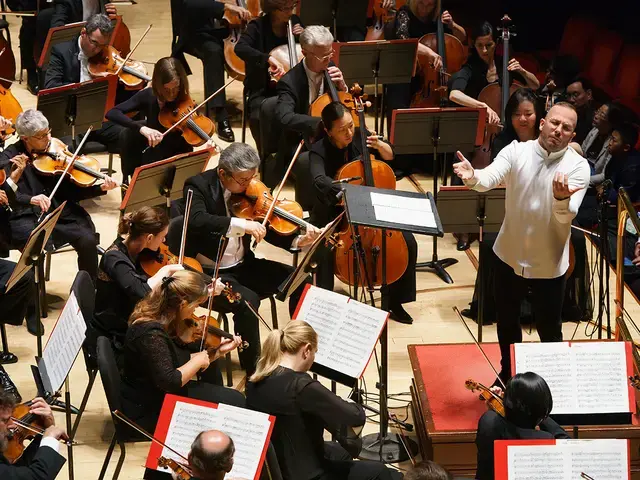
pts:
[132, 74]
[256, 202]
[190, 330]
[333, 95]
[196, 130]
[234, 64]
[493, 400]
[180, 471]
[288, 55]
[84, 172]
[375, 174]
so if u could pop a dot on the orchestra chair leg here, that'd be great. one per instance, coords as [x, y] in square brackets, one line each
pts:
[227, 357]
[274, 312]
[123, 453]
[245, 102]
[105, 465]
[3, 334]
[44, 307]
[110, 166]
[47, 266]
[85, 400]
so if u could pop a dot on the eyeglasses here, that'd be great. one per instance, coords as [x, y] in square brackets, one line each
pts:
[43, 135]
[95, 43]
[244, 181]
[289, 8]
[322, 59]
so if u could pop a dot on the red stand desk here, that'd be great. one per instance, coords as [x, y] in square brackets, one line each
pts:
[446, 414]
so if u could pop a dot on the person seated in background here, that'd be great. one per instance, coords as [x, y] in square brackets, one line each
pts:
[595, 146]
[624, 167]
[40, 460]
[561, 70]
[580, 95]
[427, 470]
[527, 403]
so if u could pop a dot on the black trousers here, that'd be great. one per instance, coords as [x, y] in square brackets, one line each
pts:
[27, 43]
[20, 301]
[340, 466]
[547, 295]
[254, 279]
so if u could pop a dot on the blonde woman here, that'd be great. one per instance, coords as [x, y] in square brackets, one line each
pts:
[304, 408]
[156, 364]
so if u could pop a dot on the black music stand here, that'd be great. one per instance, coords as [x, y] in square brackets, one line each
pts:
[378, 63]
[437, 130]
[55, 36]
[161, 182]
[361, 211]
[463, 210]
[32, 256]
[77, 105]
[319, 13]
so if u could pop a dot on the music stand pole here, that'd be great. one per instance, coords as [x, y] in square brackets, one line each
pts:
[34, 261]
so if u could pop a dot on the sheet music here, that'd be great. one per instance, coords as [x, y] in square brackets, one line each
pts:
[600, 459]
[247, 429]
[578, 373]
[65, 343]
[403, 210]
[347, 330]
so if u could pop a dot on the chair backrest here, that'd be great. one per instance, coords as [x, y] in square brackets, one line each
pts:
[627, 84]
[269, 127]
[85, 293]
[305, 196]
[111, 380]
[272, 465]
[577, 38]
[174, 234]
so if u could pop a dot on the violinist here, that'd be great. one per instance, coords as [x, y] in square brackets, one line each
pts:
[74, 225]
[483, 68]
[327, 155]
[121, 282]
[546, 181]
[301, 86]
[253, 278]
[282, 386]
[579, 93]
[169, 86]
[156, 363]
[40, 460]
[527, 405]
[69, 63]
[201, 34]
[262, 35]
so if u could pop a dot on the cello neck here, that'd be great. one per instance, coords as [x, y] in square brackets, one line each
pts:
[442, 50]
[331, 88]
[366, 158]
[506, 35]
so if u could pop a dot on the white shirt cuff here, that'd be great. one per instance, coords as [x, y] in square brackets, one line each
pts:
[237, 227]
[51, 443]
[13, 186]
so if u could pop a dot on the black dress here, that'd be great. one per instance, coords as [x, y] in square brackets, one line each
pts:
[151, 361]
[304, 409]
[133, 143]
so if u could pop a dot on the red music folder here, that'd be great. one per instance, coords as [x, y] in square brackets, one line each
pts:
[562, 459]
[182, 419]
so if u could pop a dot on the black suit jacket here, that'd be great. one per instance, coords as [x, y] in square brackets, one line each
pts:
[208, 219]
[64, 66]
[35, 464]
[65, 12]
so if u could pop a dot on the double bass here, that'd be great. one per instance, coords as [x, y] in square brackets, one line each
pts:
[375, 173]
[234, 64]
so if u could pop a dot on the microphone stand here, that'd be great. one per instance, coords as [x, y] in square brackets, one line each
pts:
[605, 255]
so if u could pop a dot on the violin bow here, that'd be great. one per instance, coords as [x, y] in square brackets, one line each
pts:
[123, 418]
[133, 49]
[276, 194]
[222, 245]
[185, 225]
[455, 309]
[68, 167]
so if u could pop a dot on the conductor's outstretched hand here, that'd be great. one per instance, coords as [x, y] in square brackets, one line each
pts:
[463, 168]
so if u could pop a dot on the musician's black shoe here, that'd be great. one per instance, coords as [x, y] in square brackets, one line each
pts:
[7, 358]
[8, 386]
[32, 82]
[400, 315]
[463, 242]
[224, 131]
[33, 329]
[470, 313]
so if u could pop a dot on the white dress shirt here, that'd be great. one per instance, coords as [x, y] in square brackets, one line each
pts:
[51, 443]
[84, 64]
[534, 237]
[316, 83]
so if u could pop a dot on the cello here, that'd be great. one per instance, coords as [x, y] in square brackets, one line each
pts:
[434, 82]
[381, 17]
[234, 64]
[375, 174]
[288, 55]
[333, 95]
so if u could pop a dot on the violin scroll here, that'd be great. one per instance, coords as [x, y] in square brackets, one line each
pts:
[493, 400]
[181, 471]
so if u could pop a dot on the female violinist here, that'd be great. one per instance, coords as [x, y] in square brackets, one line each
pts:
[261, 36]
[336, 148]
[527, 404]
[121, 282]
[156, 363]
[169, 87]
[281, 386]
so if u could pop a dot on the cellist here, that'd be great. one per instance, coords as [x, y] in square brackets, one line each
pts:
[327, 155]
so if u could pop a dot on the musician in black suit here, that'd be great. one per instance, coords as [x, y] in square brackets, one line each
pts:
[40, 460]
[252, 277]
[300, 87]
[74, 225]
[69, 63]
[527, 403]
[201, 34]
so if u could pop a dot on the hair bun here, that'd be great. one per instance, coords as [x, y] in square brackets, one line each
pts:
[166, 281]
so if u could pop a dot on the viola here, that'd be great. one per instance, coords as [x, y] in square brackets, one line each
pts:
[189, 330]
[196, 130]
[375, 174]
[288, 55]
[180, 471]
[256, 202]
[333, 95]
[132, 74]
[54, 160]
[10, 108]
[493, 400]
[26, 426]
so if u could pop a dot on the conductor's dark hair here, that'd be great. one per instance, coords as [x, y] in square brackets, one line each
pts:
[208, 461]
[527, 400]
[101, 22]
[482, 29]
[628, 134]
[7, 400]
[428, 470]
[519, 96]
[331, 113]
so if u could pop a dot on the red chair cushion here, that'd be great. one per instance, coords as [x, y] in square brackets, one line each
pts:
[627, 81]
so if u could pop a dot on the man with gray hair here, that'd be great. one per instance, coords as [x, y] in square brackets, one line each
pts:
[32, 197]
[301, 86]
[214, 194]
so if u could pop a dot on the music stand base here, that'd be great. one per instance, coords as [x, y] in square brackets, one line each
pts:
[392, 449]
[439, 266]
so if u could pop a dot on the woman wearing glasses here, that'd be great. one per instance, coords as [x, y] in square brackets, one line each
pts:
[169, 86]
[261, 36]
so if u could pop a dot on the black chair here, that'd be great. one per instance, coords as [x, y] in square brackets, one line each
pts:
[303, 187]
[111, 382]
[271, 470]
[270, 130]
[85, 293]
